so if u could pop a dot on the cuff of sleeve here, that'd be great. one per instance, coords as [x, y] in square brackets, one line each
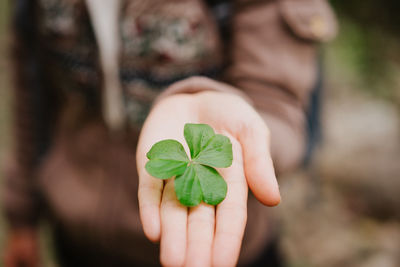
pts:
[198, 84]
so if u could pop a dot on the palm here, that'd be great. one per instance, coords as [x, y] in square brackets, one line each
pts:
[204, 235]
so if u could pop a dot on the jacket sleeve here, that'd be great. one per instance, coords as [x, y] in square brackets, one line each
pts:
[31, 116]
[273, 61]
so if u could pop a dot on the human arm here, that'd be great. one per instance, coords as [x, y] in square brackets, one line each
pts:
[274, 61]
[276, 69]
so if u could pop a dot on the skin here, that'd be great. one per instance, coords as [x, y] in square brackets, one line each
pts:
[205, 235]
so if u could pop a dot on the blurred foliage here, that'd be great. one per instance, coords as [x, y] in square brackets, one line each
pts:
[368, 45]
[382, 15]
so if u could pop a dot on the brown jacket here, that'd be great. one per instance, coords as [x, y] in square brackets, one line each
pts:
[84, 180]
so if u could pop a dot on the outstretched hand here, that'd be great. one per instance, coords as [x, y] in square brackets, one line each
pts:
[205, 235]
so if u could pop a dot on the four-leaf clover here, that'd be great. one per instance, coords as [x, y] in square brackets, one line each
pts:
[196, 179]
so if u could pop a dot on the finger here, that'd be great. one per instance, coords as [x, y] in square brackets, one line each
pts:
[173, 228]
[231, 214]
[200, 235]
[259, 169]
[150, 188]
[149, 195]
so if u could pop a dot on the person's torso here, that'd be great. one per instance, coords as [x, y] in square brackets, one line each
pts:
[89, 180]
[160, 42]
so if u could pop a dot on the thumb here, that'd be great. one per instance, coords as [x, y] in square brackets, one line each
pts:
[258, 165]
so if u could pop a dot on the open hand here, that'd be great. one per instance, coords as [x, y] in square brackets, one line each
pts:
[205, 235]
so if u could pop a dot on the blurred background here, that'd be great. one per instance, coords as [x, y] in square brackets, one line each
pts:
[344, 209]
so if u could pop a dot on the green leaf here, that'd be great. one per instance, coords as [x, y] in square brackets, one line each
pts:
[167, 158]
[197, 137]
[217, 153]
[212, 184]
[168, 149]
[165, 169]
[196, 179]
[187, 188]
